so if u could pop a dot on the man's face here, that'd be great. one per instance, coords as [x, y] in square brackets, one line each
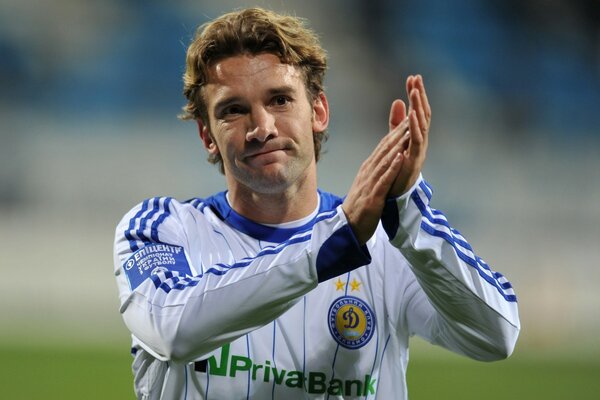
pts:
[261, 122]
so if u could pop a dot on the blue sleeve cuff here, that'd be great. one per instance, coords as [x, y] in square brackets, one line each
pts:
[390, 218]
[341, 253]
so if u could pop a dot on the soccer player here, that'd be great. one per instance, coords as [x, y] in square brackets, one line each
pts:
[273, 288]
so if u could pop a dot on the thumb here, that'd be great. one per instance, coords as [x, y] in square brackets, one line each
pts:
[397, 113]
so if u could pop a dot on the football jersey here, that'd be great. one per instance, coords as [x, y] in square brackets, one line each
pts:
[221, 307]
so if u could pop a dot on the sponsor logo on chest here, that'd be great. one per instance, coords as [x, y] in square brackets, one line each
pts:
[313, 382]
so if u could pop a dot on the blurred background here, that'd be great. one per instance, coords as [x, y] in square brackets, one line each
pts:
[89, 98]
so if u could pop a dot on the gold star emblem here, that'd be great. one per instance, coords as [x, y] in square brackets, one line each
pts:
[339, 285]
[354, 285]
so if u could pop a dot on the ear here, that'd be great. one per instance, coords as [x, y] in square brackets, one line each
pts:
[206, 138]
[320, 113]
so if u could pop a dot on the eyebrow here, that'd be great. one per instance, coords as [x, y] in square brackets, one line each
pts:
[285, 89]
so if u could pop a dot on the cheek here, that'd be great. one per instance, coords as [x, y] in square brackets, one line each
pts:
[225, 138]
[297, 124]
[232, 148]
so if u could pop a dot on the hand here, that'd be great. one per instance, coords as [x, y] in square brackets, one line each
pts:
[419, 117]
[364, 204]
[395, 164]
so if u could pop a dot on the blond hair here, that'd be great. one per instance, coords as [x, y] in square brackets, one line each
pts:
[252, 31]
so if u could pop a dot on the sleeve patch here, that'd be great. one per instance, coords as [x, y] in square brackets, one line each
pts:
[154, 258]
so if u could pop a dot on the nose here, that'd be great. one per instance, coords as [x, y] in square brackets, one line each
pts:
[262, 126]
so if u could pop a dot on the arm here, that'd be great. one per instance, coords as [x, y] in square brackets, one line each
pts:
[179, 315]
[458, 302]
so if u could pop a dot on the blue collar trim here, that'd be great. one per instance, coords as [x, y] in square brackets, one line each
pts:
[218, 203]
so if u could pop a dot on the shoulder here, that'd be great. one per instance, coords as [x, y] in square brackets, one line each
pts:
[155, 209]
[163, 207]
[156, 219]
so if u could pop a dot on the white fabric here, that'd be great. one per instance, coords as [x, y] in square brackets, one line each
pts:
[264, 325]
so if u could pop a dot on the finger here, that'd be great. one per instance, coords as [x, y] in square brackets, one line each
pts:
[388, 176]
[398, 139]
[426, 109]
[394, 142]
[410, 83]
[415, 97]
[395, 134]
[402, 143]
[405, 142]
[397, 113]
[409, 88]
[385, 146]
[415, 147]
[374, 178]
[424, 99]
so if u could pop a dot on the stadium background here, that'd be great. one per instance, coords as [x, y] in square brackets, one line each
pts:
[89, 93]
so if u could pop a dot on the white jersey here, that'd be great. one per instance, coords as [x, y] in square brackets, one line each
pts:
[220, 307]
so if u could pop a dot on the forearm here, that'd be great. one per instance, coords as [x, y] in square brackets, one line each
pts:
[475, 309]
[183, 317]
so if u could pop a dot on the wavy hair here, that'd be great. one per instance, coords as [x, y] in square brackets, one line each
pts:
[252, 31]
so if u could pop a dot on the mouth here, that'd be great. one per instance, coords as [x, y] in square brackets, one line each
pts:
[264, 152]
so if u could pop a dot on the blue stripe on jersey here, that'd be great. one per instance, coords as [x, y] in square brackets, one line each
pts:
[138, 228]
[186, 382]
[273, 356]
[128, 233]
[182, 283]
[140, 231]
[455, 240]
[374, 358]
[506, 285]
[468, 260]
[207, 384]
[381, 363]
[244, 262]
[426, 189]
[160, 219]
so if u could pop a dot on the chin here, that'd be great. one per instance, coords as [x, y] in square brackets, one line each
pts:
[271, 185]
[273, 178]
[270, 180]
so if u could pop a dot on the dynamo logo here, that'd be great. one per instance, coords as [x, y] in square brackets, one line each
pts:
[129, 264]
[351, 322]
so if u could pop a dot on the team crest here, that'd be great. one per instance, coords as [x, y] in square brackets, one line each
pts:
[351, 322]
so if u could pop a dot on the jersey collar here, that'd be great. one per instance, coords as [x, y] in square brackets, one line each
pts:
[219, 204]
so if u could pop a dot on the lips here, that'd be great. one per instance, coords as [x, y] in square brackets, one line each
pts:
[264, 151]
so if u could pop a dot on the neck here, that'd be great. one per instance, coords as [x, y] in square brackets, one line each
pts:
[295, 202]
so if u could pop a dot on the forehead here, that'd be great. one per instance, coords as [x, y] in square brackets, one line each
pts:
[246, 74]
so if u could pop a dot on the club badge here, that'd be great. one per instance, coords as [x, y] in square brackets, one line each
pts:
[351, 322]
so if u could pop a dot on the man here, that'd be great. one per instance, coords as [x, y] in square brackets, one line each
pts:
[274, 289]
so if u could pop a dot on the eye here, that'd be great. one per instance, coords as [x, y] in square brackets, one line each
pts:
[281, 100]
[233, 109]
